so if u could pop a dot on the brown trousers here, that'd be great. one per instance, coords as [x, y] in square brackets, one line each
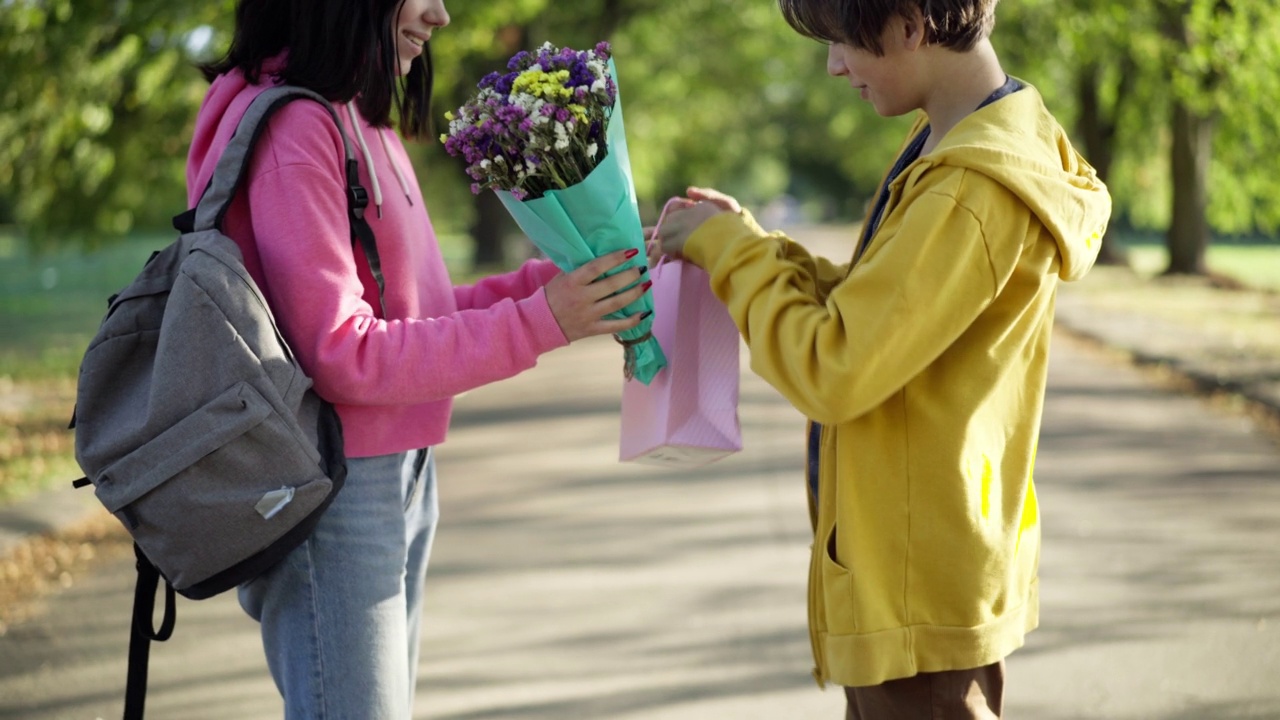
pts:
[976, 694]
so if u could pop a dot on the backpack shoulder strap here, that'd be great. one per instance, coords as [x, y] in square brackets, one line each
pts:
[233, 165]
[142, 632]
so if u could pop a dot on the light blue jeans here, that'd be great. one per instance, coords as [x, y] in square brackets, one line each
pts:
[341, 614]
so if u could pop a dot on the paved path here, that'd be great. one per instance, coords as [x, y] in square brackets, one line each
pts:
[566, 585]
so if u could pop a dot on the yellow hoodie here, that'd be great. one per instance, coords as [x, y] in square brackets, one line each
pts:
[925, 364]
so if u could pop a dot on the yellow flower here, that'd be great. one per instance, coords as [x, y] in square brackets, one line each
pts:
[529, 80]
[540, 83]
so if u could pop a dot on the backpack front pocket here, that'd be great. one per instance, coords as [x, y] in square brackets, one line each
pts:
[234, 472]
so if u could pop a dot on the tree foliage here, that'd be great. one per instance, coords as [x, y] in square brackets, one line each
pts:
[97, 106]
[1217, 58]
[99, 96]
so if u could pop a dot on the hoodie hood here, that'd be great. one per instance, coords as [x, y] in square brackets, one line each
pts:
[223, 106]
[226, 102]
[1018, 143]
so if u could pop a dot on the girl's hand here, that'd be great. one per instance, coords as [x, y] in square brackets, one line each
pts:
[581, 299]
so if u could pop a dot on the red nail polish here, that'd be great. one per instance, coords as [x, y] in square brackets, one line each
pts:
[648, 285]
[632, 253]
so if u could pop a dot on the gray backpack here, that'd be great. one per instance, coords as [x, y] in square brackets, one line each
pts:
[194, 422]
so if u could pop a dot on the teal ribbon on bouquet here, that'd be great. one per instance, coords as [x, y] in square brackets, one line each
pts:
[593, 218]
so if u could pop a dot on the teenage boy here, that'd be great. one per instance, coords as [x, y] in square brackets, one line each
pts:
[921, 363]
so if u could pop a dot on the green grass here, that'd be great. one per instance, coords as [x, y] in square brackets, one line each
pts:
[1256, 264]
[52, 304]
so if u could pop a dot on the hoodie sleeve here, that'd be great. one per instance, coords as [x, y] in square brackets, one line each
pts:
[896, 312]
[300, 224]
[521, 283]
[823, 273]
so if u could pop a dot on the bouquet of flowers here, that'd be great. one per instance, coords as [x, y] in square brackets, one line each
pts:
[547, 136]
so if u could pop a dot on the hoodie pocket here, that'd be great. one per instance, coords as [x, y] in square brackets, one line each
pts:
[837, 589]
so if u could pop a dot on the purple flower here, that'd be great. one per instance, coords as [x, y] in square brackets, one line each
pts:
[579, 75]
[511, 115]
[506, 147]
[518, 62]
[503, 84]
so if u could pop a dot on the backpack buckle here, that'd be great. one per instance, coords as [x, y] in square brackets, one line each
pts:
[357, 200]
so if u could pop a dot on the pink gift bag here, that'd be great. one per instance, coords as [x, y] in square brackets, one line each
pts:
[688, 414]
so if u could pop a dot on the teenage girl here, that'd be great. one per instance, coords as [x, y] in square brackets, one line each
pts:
[340, 615]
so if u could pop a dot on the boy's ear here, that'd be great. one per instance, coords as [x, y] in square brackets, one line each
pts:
[911, 31]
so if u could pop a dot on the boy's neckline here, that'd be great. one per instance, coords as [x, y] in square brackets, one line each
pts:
[1010, 86]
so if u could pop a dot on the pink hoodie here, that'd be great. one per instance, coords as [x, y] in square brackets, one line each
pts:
[392, 380]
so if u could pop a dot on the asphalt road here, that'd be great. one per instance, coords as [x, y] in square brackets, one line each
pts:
[568, 585]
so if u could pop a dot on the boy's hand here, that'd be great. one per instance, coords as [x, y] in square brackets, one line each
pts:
[719, 199]
[653, 249]
[681, 221]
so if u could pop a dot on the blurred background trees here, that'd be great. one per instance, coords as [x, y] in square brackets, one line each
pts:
[1172, 100]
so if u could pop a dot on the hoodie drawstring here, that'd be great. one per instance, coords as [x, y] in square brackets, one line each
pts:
[368, 160]
[395, 166]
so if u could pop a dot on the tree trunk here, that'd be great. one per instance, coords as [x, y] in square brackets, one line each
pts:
[1192, 151]
[488, 232]
[1098, 130]
[492, 222]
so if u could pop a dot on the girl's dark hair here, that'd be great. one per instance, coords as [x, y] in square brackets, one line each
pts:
[341, 49]
[955, 24]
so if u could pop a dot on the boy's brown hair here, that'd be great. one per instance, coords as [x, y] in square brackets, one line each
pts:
[955, 24]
